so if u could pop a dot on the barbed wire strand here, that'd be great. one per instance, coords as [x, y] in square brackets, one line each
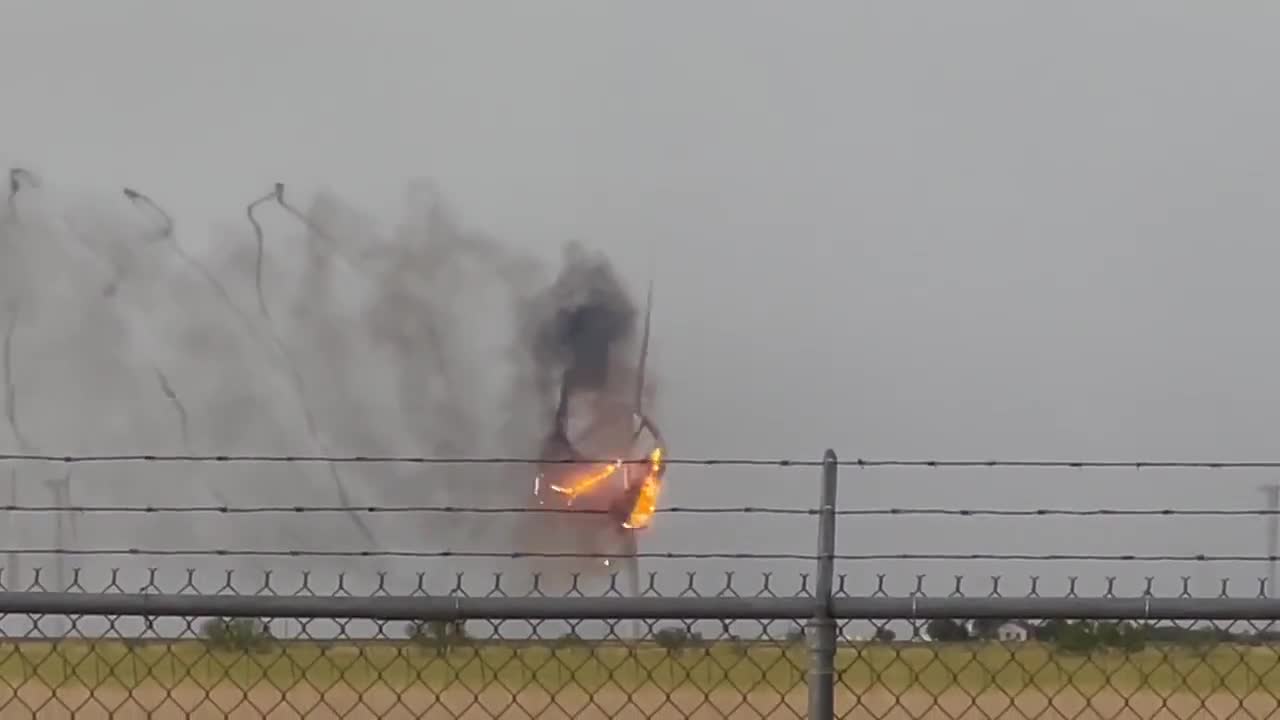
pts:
[284, 553]
[1064, 464]
[375, 509]
[676, 510]
[706, 461]
[1060, 512]
[382, 459]
[420, 554]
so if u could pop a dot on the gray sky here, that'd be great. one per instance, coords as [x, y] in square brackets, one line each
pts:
[981, 229]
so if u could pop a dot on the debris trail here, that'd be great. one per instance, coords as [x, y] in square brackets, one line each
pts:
[259, 239]
[291, 365]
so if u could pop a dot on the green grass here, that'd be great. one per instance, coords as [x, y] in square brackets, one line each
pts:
[398, 665]
[774, 669]
[981, 667]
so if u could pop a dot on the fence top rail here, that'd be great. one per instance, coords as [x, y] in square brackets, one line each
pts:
[691, 608]
[1048, 608]
[404, 607]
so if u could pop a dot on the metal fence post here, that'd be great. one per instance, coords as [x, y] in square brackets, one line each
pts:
[822, 627]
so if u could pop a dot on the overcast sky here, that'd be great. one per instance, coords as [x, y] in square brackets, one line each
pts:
[899, 229]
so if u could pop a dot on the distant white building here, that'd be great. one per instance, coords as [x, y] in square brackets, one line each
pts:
[1013, 631]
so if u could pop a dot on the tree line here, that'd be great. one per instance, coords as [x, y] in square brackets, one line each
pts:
[1080, 636]
[1089, 635]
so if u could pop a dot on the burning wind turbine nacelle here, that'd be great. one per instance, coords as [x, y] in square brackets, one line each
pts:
[572, 474]
[627, 489]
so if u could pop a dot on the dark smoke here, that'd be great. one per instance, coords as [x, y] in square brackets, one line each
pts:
[592, 315]
[583, 332]
[422, 338]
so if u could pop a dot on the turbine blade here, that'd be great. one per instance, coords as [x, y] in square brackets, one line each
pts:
[644, 348]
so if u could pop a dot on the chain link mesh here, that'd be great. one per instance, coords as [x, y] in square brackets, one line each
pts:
[86, 666]
[1059, 668]
[54, 666]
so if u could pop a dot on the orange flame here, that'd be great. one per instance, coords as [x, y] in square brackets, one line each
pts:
[587, 482]
[647, 498]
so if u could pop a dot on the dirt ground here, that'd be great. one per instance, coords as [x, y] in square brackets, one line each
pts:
[227, 701]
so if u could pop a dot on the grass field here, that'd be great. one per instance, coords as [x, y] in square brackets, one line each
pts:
[111, 679]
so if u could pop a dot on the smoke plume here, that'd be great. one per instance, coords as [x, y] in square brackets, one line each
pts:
[331, 333]
[592, 314]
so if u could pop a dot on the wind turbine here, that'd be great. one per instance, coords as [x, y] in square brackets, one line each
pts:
[636, 481]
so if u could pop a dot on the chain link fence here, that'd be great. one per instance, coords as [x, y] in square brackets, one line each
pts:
[798, 640]
[258, 648]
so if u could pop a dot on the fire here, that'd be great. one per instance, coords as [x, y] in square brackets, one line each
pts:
[644, 499]
[646, 504]
[655, 461]
[586, 482]
[647, 498]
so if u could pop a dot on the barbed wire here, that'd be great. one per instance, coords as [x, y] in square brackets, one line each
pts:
[388, 460]
[1061, 512]
[676, 510]
[374, 509]
[1065, 464]
[1061, 557]
[477, 554]
[463, 554]
[705, 461]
